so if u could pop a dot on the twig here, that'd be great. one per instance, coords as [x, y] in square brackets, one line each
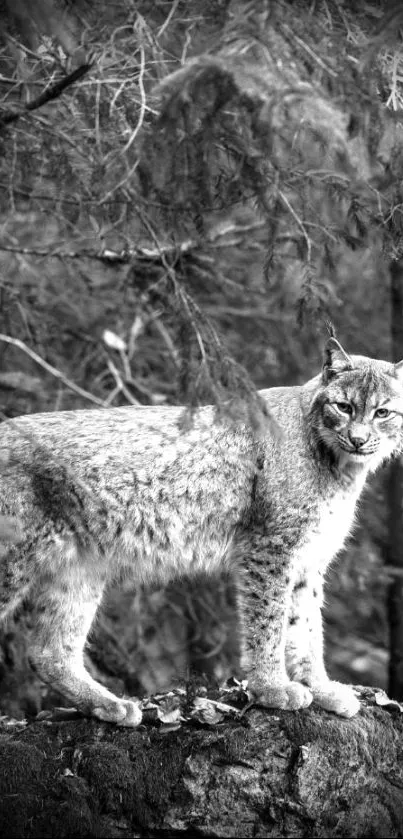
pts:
[126, 256]
[299, 222]
[125, 180]
[393, 98]
[97, 118]
[259, 314]
[50, 369]
[120, 383]
[168, 341]
[310, 51]
[166, 23]
[111, 396]
[142, 103]
[52, 92]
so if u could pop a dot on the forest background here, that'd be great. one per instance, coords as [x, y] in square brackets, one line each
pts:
[188, 191]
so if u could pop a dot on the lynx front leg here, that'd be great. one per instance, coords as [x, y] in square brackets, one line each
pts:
[63, 617]
[304, 648]
[266, 594]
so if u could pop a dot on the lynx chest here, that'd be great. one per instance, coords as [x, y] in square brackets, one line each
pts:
[328, 532]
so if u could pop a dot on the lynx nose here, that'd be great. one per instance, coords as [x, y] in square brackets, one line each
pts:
[358, 437]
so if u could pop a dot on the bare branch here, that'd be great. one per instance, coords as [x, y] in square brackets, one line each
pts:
[52, 92]
[126, 256]
[120, 384]
[15, 342]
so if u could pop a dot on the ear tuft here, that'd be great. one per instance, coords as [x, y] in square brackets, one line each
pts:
[336, 360]
[330, 328]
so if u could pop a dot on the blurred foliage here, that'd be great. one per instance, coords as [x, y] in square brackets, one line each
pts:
[176, 224]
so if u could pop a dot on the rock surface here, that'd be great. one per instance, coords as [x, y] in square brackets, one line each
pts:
[261, 774]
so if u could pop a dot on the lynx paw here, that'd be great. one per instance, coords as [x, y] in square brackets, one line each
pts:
[336, 697]
[122, 712]
[288, 697]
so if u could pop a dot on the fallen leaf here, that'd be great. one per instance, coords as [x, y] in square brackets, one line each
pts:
[205, 711]
[392, 705]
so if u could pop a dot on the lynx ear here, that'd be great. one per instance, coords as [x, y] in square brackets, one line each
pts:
[399, 371]
[336, 360]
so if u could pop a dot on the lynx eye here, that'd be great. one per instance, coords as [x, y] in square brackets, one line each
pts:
[344, 407]
[382, 413]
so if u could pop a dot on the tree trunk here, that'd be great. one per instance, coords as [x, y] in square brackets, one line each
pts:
[264, 774]
[395, 493]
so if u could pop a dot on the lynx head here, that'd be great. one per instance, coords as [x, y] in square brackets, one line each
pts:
[357, 412]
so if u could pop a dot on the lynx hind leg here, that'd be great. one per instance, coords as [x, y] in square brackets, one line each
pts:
[304, 649]
[15, 581]
[63, 614]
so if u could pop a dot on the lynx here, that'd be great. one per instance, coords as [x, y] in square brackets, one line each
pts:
[102, 493]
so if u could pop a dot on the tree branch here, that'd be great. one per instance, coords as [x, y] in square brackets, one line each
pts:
[52, 92]
[126, 256]
[15, 342]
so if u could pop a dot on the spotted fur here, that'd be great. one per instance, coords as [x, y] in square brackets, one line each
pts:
[125, 490]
